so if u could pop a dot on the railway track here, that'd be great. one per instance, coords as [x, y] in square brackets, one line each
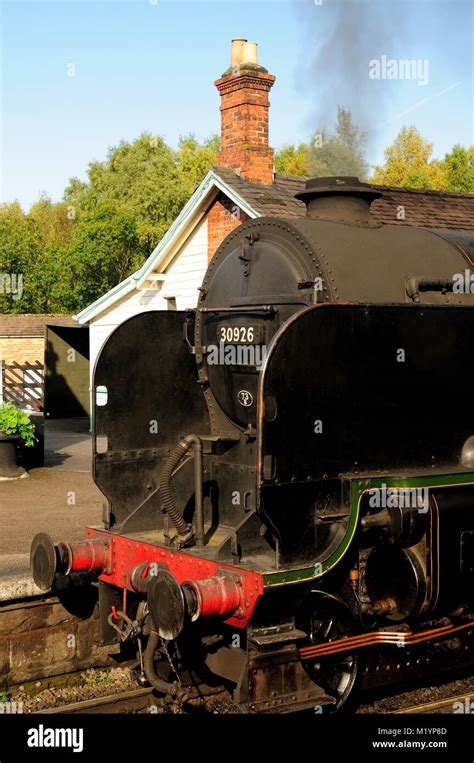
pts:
[142, 700]
[448, 705]
[135, 701]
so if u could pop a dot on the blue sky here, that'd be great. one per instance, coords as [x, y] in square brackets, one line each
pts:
[142, 65]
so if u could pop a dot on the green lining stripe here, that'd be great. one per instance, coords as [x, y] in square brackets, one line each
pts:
[358, 488]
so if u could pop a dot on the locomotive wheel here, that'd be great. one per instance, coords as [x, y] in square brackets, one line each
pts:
[338, 675]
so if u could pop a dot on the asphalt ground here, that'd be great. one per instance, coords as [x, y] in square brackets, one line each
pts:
[60, 499]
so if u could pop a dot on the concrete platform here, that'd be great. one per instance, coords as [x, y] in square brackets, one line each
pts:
[55, 501]
[18, 585]
[68, 445]
[60, 499]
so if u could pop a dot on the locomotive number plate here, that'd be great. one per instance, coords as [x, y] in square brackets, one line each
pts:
[239, 334]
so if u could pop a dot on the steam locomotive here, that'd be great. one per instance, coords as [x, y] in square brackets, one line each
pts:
[289, 468]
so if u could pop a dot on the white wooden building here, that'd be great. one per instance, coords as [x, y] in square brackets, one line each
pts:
[174, 289]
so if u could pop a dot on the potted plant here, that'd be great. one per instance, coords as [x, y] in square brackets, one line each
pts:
[16, 428]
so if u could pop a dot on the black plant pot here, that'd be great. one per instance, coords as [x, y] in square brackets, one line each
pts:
[9, 470]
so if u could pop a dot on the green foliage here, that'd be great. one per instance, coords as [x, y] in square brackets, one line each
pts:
[337, 152]
[341, 152]
[408, 163]
[105, 249]
[19, 251]
[292, 160]
[53, 223]
[458, 170]
[94, 678]
[147, 180]
[17, 423]
[34, 246]
[193, 160]
[71, 253]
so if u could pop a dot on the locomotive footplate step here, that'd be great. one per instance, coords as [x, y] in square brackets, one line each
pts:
[276, 634]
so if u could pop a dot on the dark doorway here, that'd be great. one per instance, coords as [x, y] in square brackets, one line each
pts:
[66, 392]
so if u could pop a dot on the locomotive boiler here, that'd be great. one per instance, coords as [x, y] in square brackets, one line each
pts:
[289, 468]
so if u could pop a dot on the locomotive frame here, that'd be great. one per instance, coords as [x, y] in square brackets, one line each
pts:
[239, 538]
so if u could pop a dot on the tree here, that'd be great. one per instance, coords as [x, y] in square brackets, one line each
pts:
[105, 250]
[53, 223]
[341, 152]
[146, 179]
[50, 280]
[20, 250]
[194, 159]
[292, 160]
[458, 170]
[33, 257]
[408, 163]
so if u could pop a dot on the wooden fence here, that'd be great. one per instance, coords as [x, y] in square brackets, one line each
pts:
[22, 384]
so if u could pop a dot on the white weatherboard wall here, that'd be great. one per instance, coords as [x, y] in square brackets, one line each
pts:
[183, 278]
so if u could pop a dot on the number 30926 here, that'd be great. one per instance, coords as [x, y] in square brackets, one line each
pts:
[236, 334]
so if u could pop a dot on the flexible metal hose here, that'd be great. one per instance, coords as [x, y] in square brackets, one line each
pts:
[173, 690]
[185, 530]
[164, 687]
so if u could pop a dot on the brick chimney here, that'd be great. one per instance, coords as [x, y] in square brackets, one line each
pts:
[244, 89]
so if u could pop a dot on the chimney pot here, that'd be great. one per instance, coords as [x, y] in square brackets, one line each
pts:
[249, 53]
[236, 51]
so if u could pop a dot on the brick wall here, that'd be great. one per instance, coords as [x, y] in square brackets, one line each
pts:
[222, 218]
[244, 124]
[22, 349]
